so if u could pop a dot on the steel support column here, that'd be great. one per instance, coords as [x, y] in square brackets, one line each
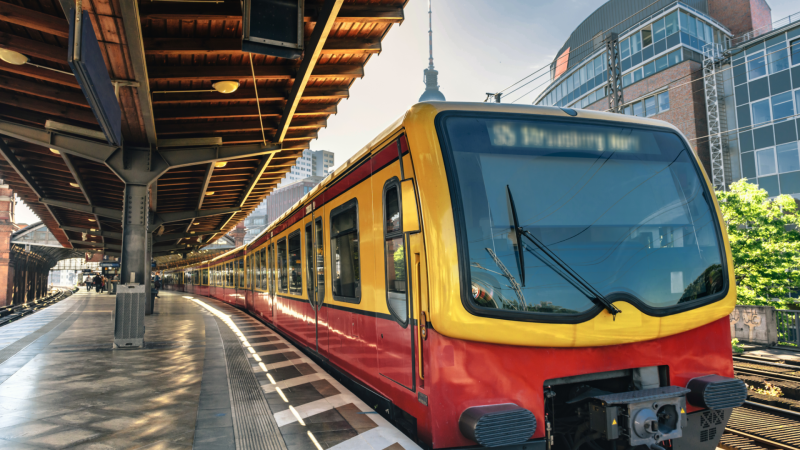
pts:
[134, 262]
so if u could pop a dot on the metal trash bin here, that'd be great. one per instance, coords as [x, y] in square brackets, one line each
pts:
[129, 316]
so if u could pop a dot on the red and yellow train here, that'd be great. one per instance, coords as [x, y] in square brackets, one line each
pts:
[508, 276]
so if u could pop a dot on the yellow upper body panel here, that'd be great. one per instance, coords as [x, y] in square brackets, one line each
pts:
[449, 316]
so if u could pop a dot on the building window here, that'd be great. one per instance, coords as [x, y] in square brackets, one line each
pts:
[765, 162]
[756, 66]
[788, 157]
[345, 276]
[761, 112]
[795, 52]
[782, 106]
[663, 101]
[778, 57]
[650, 107]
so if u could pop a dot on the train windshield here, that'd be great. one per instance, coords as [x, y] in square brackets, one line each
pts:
[549, 208]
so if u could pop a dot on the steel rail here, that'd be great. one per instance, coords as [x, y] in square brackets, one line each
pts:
[766, 363]
[760, 440]
[770, 374]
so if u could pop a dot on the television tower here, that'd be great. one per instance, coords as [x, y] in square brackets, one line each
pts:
[431, 76]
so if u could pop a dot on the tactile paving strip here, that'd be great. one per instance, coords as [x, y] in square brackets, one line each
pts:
[313, 411]
[253, 422]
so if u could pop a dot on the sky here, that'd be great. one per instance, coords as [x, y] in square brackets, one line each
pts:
[479, 46]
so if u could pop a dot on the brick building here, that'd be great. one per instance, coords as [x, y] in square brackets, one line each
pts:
[661, 50]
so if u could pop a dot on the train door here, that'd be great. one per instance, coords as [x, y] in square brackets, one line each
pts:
[315, 273]
[273, 297]
[395, 332]
[249, 292]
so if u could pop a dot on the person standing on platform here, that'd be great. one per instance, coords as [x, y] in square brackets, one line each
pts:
[88, 283]
[157, 283]
[97, 282]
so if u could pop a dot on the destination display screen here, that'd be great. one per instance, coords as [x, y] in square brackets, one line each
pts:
[543, 135]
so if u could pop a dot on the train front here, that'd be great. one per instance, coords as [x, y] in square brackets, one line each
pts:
[591, 283]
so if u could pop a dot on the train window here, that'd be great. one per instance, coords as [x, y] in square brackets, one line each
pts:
[205, 277]
[280, 269]
[394, 251]
[345, 278]
[295, 264]
[230, 275]
[309, 263]
[241, 273]
[257, 269]
[319, 262]
[262, 274]
[271, 269]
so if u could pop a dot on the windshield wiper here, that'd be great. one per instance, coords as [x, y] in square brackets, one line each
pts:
[563, 269]
[512, 212]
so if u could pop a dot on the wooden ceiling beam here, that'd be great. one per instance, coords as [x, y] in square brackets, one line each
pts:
[35, 49]
[36, 20]
[211, 128]
[46, 107]
[216, 73]
[245, 95]
[227, 46]
[231, 12]
[239, 111]
[49, 92]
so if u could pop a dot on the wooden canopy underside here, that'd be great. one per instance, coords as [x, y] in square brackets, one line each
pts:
[176, 48]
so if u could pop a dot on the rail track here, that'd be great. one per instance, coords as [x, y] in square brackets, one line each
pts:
[13, 313]
[765, 422]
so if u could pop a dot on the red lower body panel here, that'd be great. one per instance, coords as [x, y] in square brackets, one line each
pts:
[460, 374]
[464, 373]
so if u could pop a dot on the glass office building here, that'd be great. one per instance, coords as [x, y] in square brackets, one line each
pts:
[766, 79]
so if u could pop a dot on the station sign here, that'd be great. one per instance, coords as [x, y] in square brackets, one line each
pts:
[109, 264]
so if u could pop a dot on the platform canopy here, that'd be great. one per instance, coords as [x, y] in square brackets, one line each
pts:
[212, 164]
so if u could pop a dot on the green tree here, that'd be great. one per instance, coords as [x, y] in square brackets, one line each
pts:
[765, 243]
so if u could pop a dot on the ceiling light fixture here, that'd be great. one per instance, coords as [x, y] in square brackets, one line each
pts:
[74, 185]
[18, 59]
[92, 220]
[55, 151]
[12, 57]
[210, 193]
[226, 87]
[220, 164]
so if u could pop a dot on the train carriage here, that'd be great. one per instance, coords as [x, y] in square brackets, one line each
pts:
[508, 276]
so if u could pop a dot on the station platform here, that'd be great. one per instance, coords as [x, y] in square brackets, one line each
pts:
[210, 377]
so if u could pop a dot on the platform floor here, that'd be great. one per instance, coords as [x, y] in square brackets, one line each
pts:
[196, 385]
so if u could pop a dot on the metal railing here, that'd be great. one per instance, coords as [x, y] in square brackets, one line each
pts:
[750, 35]
[788, 327]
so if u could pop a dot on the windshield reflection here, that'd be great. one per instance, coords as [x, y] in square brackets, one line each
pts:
[622, 207]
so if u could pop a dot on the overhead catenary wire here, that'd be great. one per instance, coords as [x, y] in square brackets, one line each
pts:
[766, 64]
[700, 70]
[575, 49]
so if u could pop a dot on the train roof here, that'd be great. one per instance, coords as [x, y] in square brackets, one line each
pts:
[424, 108]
